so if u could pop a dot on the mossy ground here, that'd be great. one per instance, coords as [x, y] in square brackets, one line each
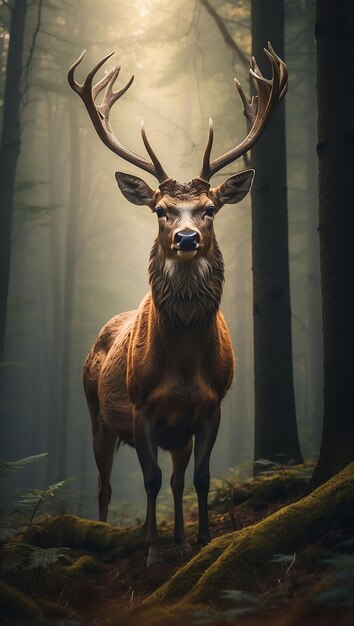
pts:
[106, 581]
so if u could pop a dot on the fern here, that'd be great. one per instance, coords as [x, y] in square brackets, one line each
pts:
[31, 500]
[237, 596]
[282, 558]
[8, 467]
[20, 555]
[16, 552]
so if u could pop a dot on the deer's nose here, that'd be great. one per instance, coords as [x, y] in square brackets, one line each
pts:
[186, 239]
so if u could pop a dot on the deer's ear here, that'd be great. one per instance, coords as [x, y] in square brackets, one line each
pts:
[234, 189]
[135, 189]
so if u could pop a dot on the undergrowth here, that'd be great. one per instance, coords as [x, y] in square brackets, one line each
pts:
[17, 554]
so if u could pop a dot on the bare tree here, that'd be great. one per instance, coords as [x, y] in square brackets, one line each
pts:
[276, 435]
[334, 36]
[9, 151]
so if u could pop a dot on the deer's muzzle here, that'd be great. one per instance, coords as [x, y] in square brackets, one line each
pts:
[186, 240]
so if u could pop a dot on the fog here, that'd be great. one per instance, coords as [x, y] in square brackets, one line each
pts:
[80, 250]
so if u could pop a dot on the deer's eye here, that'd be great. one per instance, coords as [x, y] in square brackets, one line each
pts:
[160, 212]
[209, 211]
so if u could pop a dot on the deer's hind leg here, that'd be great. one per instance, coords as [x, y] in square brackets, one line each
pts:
[204, 440]
[146, 448]
[104, 443]
[180, 460]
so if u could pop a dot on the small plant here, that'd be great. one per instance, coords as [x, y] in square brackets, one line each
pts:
[16, 551]
[9, 467]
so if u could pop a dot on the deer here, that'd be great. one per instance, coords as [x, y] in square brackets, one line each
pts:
[156, 376]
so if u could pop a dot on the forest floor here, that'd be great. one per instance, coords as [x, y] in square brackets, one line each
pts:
[79, 571]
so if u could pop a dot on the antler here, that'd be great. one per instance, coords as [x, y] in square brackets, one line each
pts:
[258, 111]
[99, 114]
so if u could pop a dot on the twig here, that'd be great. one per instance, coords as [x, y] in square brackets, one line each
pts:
[291, 564]
[5, 3]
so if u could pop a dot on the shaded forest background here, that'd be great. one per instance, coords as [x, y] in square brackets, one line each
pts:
[80, 251]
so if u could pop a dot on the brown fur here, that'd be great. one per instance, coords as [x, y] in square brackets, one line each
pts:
[156, 376]
[135, 361]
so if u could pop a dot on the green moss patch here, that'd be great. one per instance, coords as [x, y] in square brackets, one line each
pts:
[84, 565]
[187, 576]
[247, 561]
[78, 533]
[272, 487]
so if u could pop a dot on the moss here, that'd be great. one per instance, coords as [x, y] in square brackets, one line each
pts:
[83, 565]
[243, 561]
[78, 533]
[182, 581]
[246, 561]
[259, 492]
[16, 605]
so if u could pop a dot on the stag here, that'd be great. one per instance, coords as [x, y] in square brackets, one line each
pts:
[155, 376]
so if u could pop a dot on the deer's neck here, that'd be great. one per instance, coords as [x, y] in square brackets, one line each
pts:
[187, 293]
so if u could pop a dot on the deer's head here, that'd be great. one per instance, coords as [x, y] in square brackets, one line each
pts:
[185, 211]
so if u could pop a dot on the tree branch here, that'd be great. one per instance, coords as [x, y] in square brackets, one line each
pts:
[225, 33]
[27, 68]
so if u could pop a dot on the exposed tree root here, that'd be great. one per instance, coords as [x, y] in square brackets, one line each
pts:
[243, 559]
[78, 533]
[107, 577]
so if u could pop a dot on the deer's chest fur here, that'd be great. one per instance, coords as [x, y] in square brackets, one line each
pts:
[173, 362]
[180, 360]
[176, 383]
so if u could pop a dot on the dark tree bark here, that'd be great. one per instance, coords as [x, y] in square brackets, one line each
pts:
[276, 435]
[314, 281]
[9, 151]
[335, 54]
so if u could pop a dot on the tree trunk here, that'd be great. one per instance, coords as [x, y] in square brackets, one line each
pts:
[314, 280]
[276, 435]
[56, 155]
[69, 286]
[9, 151]
[335, 54]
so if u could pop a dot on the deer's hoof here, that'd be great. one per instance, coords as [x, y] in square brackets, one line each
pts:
[185, 551]
[203, 540]
[154, 557]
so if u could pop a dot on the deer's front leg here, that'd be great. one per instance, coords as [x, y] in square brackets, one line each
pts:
[204, 440]
[180, 460]
[146, 449]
